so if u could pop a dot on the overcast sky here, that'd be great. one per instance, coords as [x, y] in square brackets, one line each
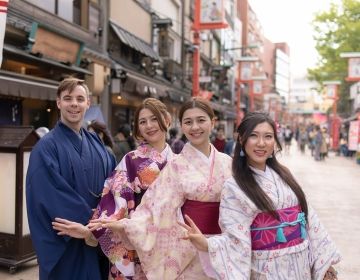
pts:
[289, 21]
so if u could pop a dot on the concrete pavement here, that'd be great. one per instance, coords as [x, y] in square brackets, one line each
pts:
[333, 189]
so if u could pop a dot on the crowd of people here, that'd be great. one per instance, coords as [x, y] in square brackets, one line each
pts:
[194, 213]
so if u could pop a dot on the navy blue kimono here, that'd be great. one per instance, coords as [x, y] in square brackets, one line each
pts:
[65, 179]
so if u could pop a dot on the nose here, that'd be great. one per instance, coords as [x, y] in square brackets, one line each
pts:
[261, 141]
[74, 102]
[195, 125]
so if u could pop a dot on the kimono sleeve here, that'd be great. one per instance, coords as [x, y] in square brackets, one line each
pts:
[153, 229]
[116, 202]
[230, 252]
[323, 252]
[49, 195]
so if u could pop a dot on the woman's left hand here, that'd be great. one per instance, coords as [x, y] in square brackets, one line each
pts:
[195, 235]
[72, 229]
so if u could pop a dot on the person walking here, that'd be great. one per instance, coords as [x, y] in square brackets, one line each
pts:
[67, 169]
[191, 183]
[124, 189]
[269, 231]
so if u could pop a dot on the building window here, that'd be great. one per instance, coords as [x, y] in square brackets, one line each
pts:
[75, 11]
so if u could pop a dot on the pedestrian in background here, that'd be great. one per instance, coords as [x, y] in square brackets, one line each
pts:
[288, 135]
[220, 140]
[191, 182]
[318, 140]
[230, 144]
[124, 189]
[67, 169]
[123, 142]
[102, 131]
[175, 143]
[268, 229]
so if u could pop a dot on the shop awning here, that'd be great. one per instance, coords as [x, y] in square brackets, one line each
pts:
[22, 86]
[136, 82]
[27, 56]
[134, 42]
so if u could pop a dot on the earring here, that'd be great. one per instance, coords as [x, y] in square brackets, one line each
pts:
[242, 154]
[271, 156]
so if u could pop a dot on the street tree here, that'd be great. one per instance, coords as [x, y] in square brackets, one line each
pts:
[336, 30]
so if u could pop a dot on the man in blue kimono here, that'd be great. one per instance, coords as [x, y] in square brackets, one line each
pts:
[67, 169]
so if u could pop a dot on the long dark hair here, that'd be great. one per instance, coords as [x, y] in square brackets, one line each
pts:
[244, 175]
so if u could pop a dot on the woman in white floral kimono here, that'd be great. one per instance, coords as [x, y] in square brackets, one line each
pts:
[124, 189]
[269, 231]
[191, 182]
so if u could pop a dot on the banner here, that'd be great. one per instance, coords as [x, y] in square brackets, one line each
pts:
[211, 11]
[257, 87]
[354, 132]
[331, 91]
[354, 68]
[3, 12]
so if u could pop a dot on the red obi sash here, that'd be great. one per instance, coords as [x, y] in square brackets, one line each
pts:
[204, 214]
[269, 233]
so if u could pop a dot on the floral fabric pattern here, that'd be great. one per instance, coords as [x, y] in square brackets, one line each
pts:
[231, 254]
[122, 192]
[153, 229]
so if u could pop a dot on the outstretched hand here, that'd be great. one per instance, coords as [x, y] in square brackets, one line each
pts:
[112, 224]
[194, 235]
[72, 229]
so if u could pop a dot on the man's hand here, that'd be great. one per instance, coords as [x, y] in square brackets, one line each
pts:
[72, 229]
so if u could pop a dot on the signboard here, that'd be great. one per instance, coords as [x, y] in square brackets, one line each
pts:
[354, 131]
[245, 71]
[354, 68]
[3, 12]
[257, 87]
[51, 45]
[212, 11]
[331, 91]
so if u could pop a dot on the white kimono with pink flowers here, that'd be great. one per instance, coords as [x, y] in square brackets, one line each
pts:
[153, 229]
[231, 255]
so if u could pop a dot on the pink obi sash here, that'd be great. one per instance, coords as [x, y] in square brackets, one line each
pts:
[204, 214]
[269, 233]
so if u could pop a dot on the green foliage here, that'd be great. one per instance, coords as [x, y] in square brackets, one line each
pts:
[336, 30]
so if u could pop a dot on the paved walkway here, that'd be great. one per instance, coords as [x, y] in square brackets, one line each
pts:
[333, 189]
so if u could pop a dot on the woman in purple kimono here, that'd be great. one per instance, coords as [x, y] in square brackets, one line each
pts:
[268, 229]
[124, 189]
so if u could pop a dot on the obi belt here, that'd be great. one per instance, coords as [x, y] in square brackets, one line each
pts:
[269, 233]
[204, 214]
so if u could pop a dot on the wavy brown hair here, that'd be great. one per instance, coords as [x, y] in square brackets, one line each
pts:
[158, 109]
[244, 176]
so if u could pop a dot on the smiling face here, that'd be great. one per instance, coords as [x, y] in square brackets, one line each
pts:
[197, 125]
[260, 145]
[72, 106]
[149, 127]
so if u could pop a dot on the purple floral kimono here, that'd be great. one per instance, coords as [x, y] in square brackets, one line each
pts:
[122, 192]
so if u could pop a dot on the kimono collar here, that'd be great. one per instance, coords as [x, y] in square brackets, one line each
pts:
[268, 173]
[201, 155]
[146, 150]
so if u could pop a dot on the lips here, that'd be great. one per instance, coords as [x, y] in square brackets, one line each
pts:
[260, 153]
